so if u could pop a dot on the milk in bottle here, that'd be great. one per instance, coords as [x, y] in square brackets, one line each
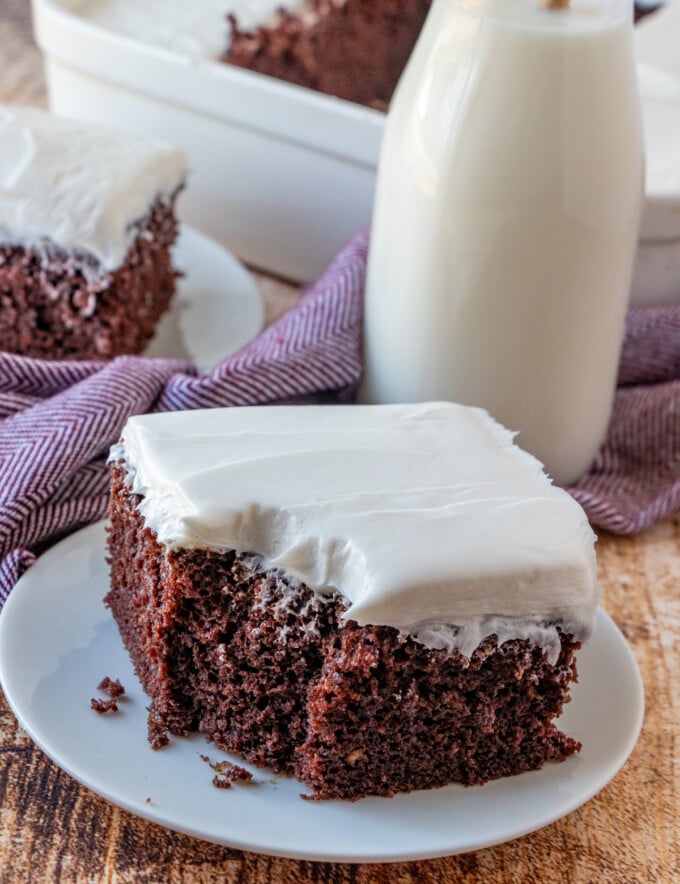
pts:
[506, 220]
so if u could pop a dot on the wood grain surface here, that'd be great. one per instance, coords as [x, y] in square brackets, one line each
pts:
[53, 829]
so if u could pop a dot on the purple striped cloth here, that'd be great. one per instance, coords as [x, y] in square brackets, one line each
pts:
[57, 420]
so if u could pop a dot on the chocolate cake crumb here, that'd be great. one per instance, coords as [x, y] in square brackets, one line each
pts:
[238, 774]
[157, 729]
[103, 706]
[228, 770]
[112, 688]
[219, 781]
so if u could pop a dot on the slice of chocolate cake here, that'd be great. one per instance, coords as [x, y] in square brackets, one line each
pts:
[86, 225]
[372, 598]
[353, 49]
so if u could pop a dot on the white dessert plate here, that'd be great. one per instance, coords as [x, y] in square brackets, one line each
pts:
[217, 306]
[57, 641]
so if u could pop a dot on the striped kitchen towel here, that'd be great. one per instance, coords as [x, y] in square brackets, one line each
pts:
[57, 420]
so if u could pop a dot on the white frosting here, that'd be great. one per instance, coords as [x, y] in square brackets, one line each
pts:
[425, 517]
[79, 187]
[197, 28]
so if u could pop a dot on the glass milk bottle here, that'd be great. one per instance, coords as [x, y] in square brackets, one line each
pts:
[506, 220]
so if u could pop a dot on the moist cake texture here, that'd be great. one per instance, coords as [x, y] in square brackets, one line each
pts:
[353, 49]
[86, 226]
[275, 664]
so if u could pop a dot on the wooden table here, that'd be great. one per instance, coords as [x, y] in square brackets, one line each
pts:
[52, 829]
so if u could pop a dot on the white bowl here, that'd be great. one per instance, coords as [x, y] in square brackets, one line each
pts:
[280, 175]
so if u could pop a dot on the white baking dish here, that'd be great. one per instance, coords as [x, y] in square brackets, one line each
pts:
[279, 174]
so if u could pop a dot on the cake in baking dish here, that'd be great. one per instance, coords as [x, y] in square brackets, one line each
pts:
[86, 225]
[375, 599]
[353, 49]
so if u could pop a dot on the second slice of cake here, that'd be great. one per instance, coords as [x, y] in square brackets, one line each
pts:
[373, 598]
[86, 226]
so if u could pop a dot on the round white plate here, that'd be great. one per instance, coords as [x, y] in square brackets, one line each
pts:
[57, 641]
[216, 309]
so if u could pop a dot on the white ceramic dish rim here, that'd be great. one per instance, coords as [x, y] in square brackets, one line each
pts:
[291, 113]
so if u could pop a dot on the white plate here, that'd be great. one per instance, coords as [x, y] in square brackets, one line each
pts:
[57, 641]
[217, 307]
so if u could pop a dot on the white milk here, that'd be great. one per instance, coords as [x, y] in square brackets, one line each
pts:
[506, 221]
